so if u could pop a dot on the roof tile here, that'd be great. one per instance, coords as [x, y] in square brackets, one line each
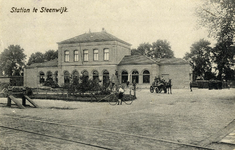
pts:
[141, 59]
[93, 37]
[51, 63]
[136, 60]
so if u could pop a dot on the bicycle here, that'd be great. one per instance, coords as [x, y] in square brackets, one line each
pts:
[113, 99]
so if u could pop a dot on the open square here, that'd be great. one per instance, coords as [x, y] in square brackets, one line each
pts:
[182, 120]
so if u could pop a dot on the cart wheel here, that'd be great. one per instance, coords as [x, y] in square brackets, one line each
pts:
[157, 90]
[151, 89]
[128, 100]
[165, 90]
[113, 100]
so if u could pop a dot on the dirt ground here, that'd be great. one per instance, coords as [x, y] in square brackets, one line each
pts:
[182, 120]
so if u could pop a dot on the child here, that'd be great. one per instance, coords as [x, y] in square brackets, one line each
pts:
[120, 95]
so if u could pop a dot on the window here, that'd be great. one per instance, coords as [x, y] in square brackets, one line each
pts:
[106, 78]
[76, 55]
[49, 76]
[66, 77]
[66, 56]
[56, 76]
[75, 77]
[95, 54]
[124, 76]
[41, 80]
[95, 75]
[146, 76]
[135, 76]
[106, 54]
[85, 74]
[85, 55]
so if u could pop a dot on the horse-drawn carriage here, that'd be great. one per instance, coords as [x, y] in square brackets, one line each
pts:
[161, 85]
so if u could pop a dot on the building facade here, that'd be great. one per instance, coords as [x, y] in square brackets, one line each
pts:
[102, 55]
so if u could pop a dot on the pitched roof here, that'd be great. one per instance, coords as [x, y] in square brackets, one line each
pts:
[141, 59]
[136, 60]
[51, 63]
[172, 61]
[93, 37]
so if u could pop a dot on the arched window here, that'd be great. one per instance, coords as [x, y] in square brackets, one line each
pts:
[135, 76]
[41, 78]
[49, 76]
[106, 79]
[95, 75]
[66, 77]
[124, 76]
[56, 76]
[146, 76]
[66, 56]
[76, 58]
[75, 77]
[85, 74]
[95, 54]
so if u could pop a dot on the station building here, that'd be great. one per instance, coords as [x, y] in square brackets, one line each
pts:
[102, 55]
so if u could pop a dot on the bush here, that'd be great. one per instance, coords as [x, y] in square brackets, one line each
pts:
[29, 91]
[51, 83]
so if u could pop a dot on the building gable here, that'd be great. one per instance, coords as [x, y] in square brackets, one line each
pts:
[93, 37]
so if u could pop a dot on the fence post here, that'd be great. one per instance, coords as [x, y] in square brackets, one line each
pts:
[23, 101]
[8, 101]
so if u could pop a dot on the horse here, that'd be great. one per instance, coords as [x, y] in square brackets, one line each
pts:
[168, 86]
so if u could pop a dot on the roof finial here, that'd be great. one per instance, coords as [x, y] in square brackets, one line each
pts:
[89, 30]
[103, 30]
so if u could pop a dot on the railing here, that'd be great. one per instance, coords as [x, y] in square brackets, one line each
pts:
[211, 84]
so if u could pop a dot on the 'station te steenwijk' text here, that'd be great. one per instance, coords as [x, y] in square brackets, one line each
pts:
[41, 10]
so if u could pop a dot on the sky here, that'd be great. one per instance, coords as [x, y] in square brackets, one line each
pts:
[134, 21]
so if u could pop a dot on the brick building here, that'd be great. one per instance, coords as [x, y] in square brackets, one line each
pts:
[102, 55]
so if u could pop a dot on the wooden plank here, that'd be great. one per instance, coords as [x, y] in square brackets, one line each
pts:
[16, 102]
[31, 101]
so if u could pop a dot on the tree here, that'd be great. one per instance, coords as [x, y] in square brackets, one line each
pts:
[223, 57]
[158, 49]
[50, 55]
[37, 57]
[142, 49]
[200, 59]
[135, 52]
[218, 17]
[12, 60]
[162, 49]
